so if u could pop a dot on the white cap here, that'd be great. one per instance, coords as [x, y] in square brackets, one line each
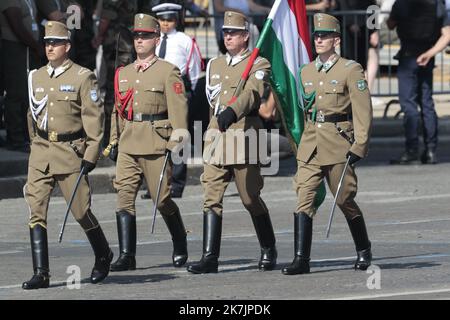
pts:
[165, 10]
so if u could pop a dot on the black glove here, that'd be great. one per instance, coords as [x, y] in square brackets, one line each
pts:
[114, 152]
[353, 157]
[87, 166]
[226, 118]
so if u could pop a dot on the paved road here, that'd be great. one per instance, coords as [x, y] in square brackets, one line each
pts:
[406, 209]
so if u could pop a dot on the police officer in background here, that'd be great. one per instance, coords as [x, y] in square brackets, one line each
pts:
[230, 157]
[181, 50]
[338, 119]
[150, 104]
[419, 25]
[65, 122]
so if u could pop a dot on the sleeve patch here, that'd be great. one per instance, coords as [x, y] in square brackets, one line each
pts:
[361, 84]
[94, 95]
[178, 87]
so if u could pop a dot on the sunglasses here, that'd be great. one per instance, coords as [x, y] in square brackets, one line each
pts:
[325, 35]
[144, 35]
[55, 42]
[231, 32]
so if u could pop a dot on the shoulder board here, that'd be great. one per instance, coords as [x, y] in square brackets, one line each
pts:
[83, 71]
[349, 63]
[258, 60]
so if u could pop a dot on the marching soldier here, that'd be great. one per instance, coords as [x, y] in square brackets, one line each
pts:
[338, 119]
[181, 50]
[65, 122]
[223, 161]
[150, 104]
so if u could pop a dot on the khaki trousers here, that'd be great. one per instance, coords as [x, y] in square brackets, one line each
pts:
[249, 182]
[310, 175]
[37, 193]
[129, 172]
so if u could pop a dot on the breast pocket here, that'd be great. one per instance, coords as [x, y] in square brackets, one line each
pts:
[123, 87]
[333, 93]
[155, 101]
[67, 103]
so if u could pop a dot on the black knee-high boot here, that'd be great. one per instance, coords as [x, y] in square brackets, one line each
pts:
[178, 232]
[126, 230]
[212, 233]
[103, 254]
[302, 245]
[266, 237]
[39, 252]
[363, 246]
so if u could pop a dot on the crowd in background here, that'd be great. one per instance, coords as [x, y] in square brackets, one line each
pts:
[22, 21]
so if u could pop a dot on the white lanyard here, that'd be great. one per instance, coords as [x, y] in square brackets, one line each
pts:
[34, 26]
[58, 5]
[30, 7]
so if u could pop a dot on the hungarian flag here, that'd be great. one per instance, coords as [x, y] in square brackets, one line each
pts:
[285, 42]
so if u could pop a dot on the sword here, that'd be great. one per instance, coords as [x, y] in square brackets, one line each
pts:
[161, 176]
[70, 204]
[337, 195]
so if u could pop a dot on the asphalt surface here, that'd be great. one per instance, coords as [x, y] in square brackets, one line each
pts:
[406, 210]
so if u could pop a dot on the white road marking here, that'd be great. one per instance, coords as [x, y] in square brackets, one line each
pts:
[10, 252]
[393, 294]
[158, 216]
[404, 199]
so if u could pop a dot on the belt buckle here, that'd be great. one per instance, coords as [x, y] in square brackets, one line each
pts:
[137, 117]
[320, 117]
[52, 136]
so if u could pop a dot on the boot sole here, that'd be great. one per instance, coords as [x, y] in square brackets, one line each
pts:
[266, 267]
[122, 269]
[202, 272]
[294, 273]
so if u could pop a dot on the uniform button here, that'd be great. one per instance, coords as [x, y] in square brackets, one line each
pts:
[66, 98]
[320, 97]
[51, 118]
[227, 77]
[136, 92]
[51, 103]
[225, 92]
[137, 81]
[135, 103]
[153, 89]
[51, 89]
[319, 126]
[334, 90]
[321, 83]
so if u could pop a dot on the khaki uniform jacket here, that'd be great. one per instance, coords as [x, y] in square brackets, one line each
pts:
[226, 76]
[73, 104]
[340, 90]
[157, 90]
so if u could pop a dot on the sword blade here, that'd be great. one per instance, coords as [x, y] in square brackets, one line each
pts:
[336, 196]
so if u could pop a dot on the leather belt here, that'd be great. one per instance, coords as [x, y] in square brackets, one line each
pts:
[333, 118]
[52, 136]
[139, 117]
